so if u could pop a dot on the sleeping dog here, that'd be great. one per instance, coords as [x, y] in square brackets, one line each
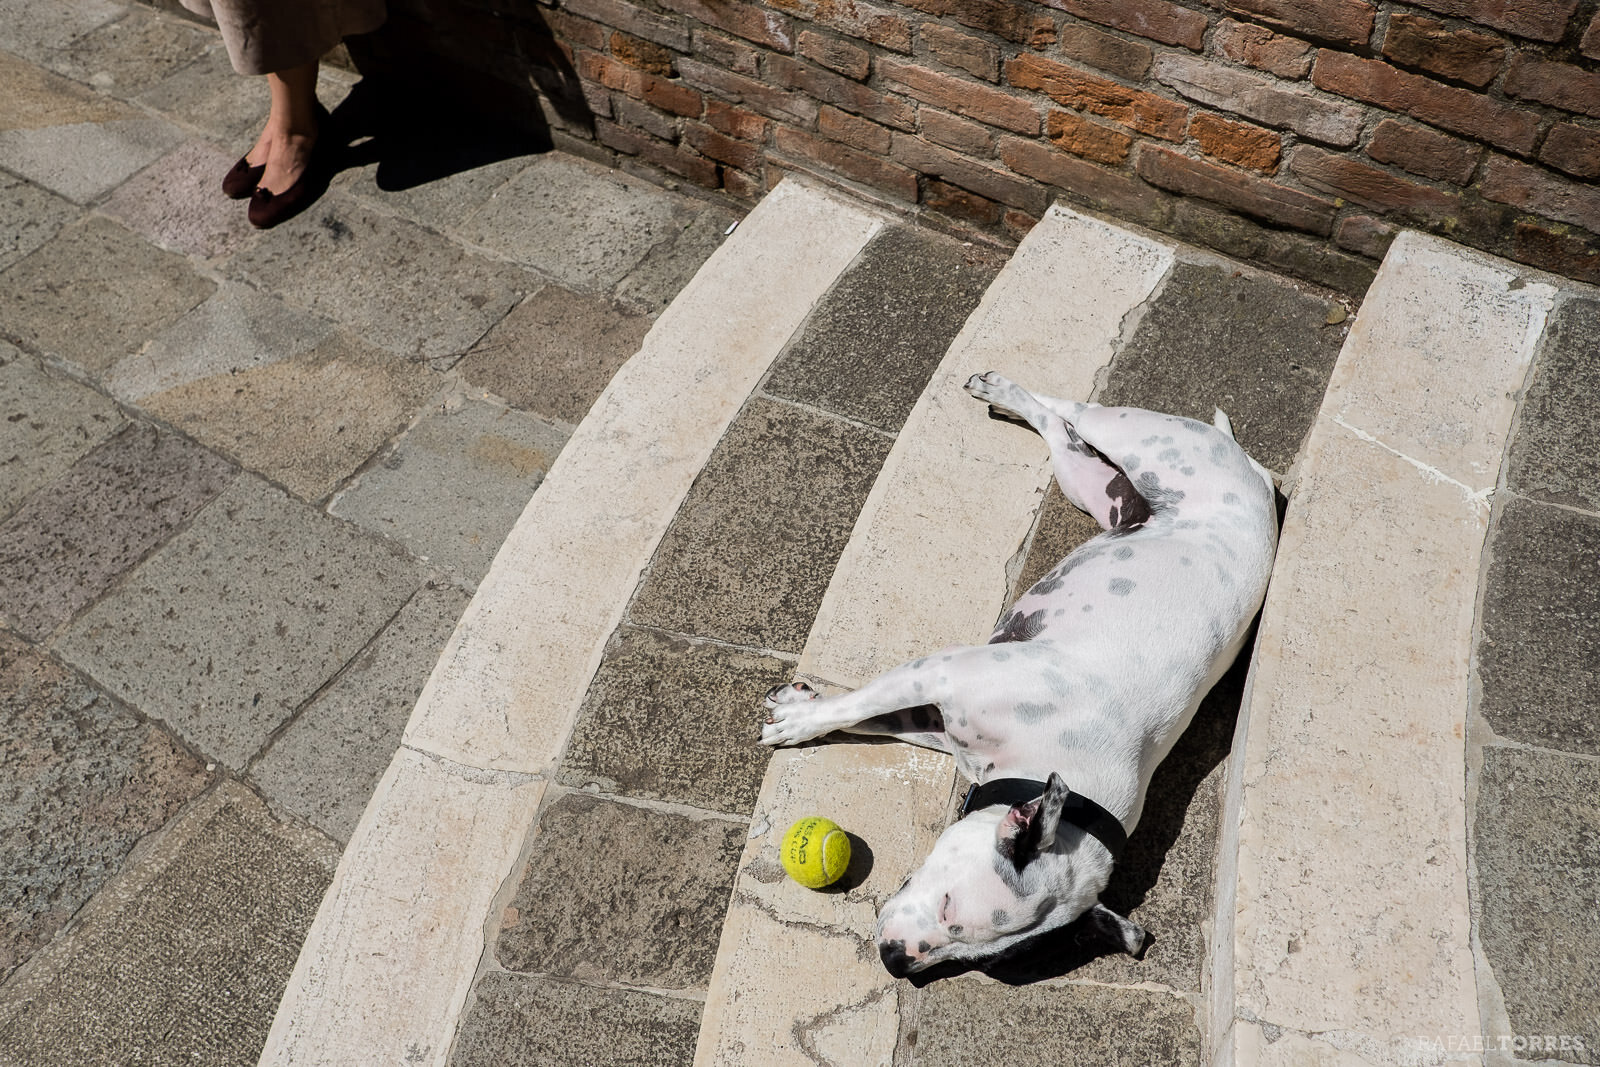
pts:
[1061, 719]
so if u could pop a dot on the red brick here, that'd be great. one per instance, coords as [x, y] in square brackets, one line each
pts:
[724, 149]
[735, 121]
[1264, 100]
[1082, 91]
[1574, 150]
[959, 203]
[697, 169]
[827, 87]
[963, 136]
[648, 57]
[1368, 185]
[1457, 110]
[1156, 20]
[1460, 55]
[854, 131]
[1238, 143]
[1542, 20]
[1591, 39]
[1423, 151]
[1259, 47]
[740, 19]
[836, 55]
[572, 32]
[1557, 84]
[957, 169]
[1572, 254]
[1071, 132]
[1004, 18]
[631, 112]
[774, 103]
[1236, 190]
[745, 186]
[962, 50]
[1110, 190]
[662, 29]
[961, 96]
[1104, 51]
[727, 53]
[841, 159]
[1539, 192]
[1018, 224]
[880, 26]
[678, 99]
[1365, 235]
[1347, 22]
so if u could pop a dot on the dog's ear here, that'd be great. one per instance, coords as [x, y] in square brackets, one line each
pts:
[1119, 931]
[1030, 828]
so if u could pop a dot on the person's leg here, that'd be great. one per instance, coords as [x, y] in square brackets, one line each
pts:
[284, 146]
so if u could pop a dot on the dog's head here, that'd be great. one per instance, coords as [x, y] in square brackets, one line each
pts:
[995, 879]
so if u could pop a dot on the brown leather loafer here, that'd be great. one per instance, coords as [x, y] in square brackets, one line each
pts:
[268, 208]
[242, 180]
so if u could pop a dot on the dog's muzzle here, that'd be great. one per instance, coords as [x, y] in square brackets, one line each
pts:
[895, 960]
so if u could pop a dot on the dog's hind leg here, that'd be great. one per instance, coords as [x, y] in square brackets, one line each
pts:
[1093, 483]
[796, 712]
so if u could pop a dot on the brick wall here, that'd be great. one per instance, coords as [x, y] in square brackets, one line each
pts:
[1299, 133]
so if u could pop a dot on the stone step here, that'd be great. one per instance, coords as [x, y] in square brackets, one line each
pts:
[1343, 925]
[392, 954]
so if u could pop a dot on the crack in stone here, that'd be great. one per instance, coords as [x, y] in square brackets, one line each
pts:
[805, 1030]
[1476, 497]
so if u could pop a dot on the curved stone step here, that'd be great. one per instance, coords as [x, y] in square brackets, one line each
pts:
[391, 955]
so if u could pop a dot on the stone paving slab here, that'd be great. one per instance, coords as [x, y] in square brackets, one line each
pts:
[326, 763]
[35, 30]
[174, 203]
[36, 99]
[1554, 458]
[869, 348]
[207, 95]
[76, 536]
[520, 1021]
[576, 224]
[47, 423]
[667, 267]
[398, 285]
[29, 216]
[555, 352]
[310, 421]
[181, 959]
[83, 161]
[749, 555]
[669, 719]
[96, 292]
[456, 484]
[622, 894]
[82, 780]
[227, 630]
[132, 53]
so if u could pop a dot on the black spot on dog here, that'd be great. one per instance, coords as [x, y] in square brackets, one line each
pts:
[1020, 627]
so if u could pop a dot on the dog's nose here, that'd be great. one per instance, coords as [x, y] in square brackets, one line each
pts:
[895, 960]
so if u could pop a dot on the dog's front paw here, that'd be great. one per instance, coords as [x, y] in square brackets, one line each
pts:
[786, 723]
[996, 389]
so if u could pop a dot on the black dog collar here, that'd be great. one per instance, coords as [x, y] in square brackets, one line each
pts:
[1078, 810]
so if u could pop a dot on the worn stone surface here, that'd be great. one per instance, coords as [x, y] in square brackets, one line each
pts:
[670, 719]
[306, 422]
[72, 539]
[46, 423]
[29, 216]
[518, 1021]
[456, 484]
[749, 555]
[96, 292]
[969, 1020]
[240, 618]
[555, 352]
[1539, 660]
[668, 266]
[237, 329]
[868, 349]
[177, 203]
[1253, 345]
[391, 957]
[208, 95]
[325, 765]
[576, 223]
[399, 286]
[35, 30]
[1537, 838]
[617, 893]
[37, 99]
[81, 781]
[1553, 457]
[184, 959]
[136, 51]
[83, 160]
[440, 203]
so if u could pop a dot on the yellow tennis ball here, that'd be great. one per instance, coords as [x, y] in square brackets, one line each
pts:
[815, 852]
